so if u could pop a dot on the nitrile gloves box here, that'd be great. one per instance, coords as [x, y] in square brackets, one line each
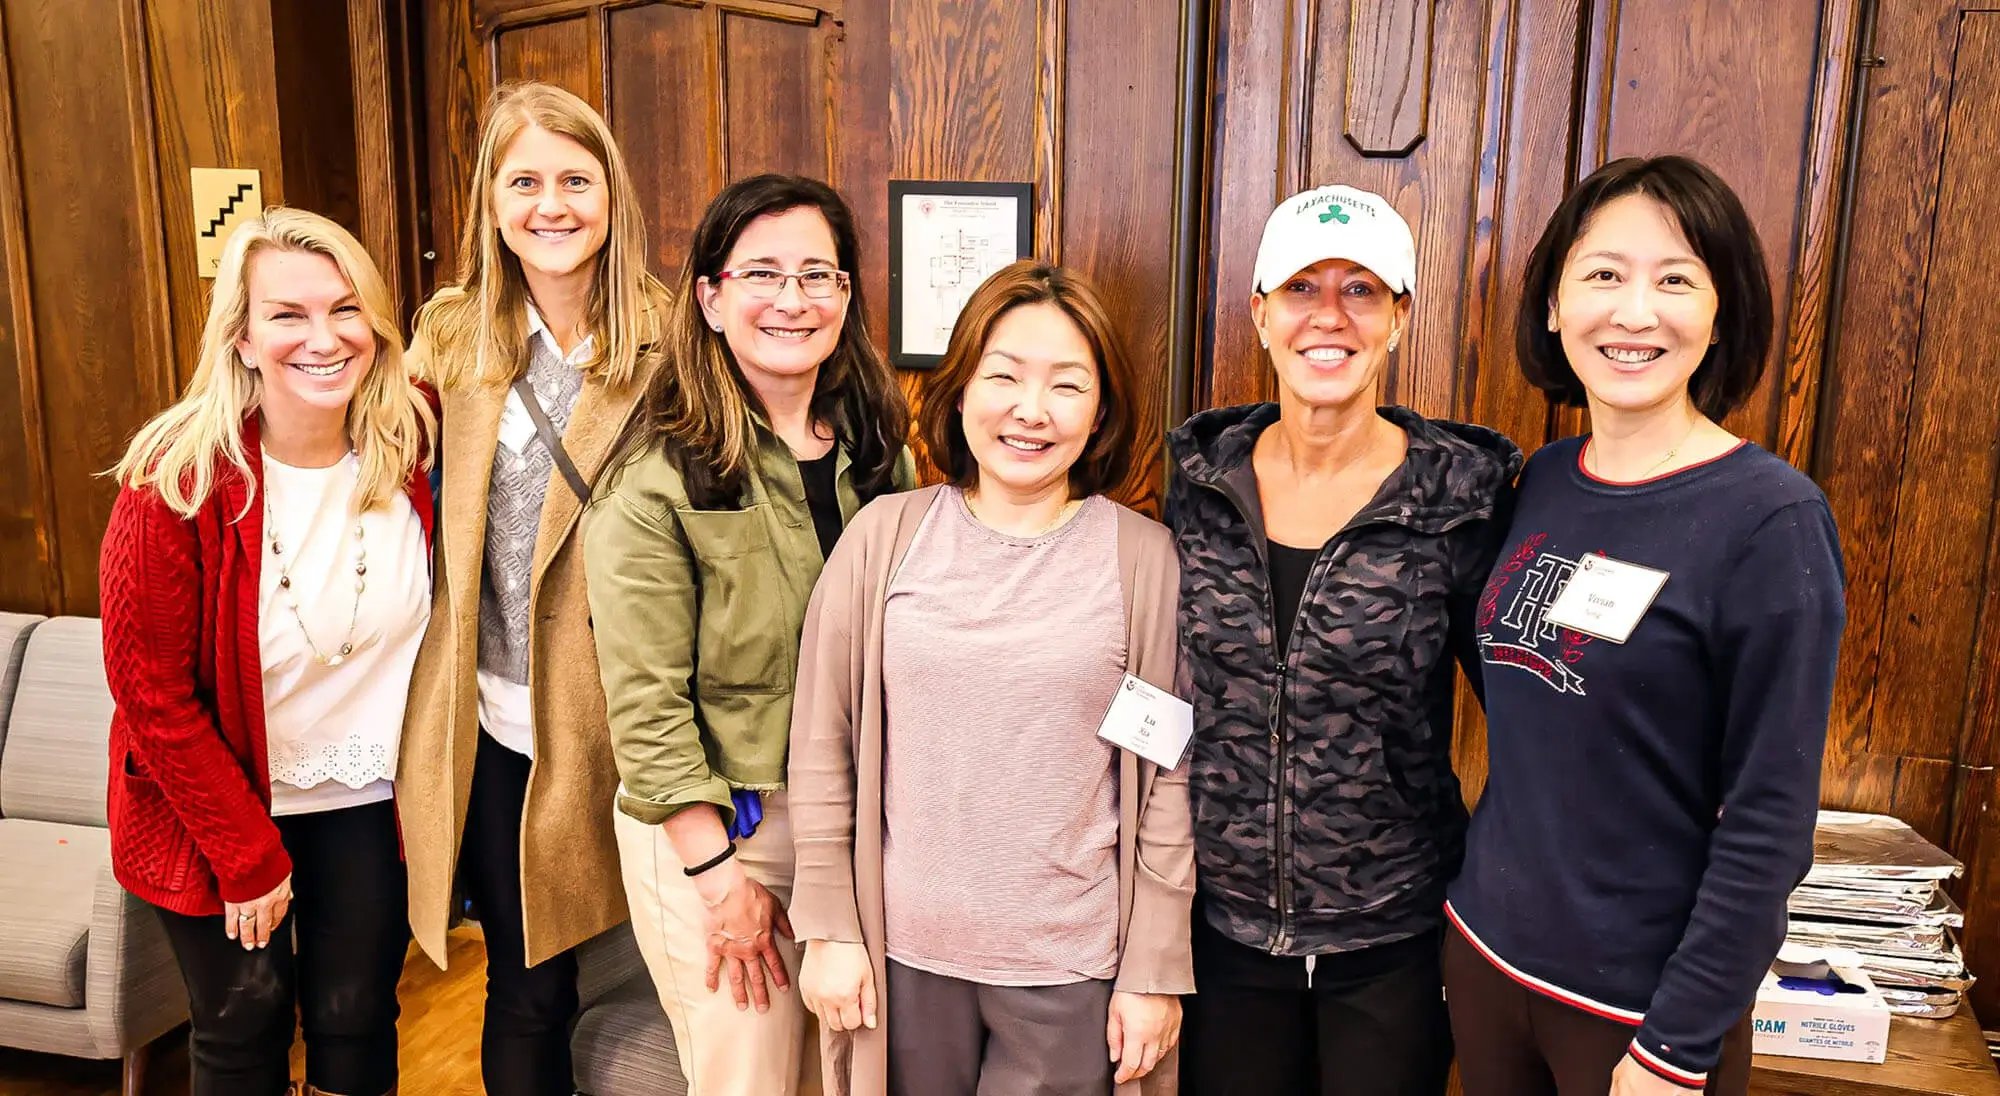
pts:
[1816, 1003]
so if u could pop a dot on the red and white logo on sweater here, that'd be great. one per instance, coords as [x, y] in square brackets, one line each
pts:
[1514, 628]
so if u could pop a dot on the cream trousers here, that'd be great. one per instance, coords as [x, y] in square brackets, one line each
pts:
[724, 1051]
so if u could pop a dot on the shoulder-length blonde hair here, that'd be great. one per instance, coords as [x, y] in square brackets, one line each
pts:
[477, 331]
[389, 421]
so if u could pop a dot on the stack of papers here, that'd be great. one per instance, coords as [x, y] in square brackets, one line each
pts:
[1877, 888]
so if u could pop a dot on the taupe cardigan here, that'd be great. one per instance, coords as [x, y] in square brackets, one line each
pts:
[836, 779]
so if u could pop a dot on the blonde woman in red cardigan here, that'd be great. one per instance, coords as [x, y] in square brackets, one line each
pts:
[265, 583]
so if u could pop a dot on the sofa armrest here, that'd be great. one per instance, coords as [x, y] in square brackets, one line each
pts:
[133, 992]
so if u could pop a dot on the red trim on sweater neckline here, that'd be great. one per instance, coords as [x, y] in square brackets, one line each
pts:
[1594, 478]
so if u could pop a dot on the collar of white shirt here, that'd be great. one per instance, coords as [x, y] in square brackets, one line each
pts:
[537, 326]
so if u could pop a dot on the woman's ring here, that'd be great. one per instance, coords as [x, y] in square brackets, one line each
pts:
[247, 915]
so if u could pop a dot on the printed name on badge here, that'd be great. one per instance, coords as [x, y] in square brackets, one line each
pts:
[1606, 598]
[1151, 722]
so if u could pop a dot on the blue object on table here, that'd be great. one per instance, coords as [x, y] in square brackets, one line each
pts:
[749, 812]
[1825, 987]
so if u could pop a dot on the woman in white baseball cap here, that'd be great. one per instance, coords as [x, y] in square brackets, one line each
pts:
[1332, 553]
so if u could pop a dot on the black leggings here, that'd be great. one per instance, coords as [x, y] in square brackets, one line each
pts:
[1364, 1023]
[524, 1044]
[351, 930]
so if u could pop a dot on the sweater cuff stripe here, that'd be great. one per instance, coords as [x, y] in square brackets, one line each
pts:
[1660, 1067]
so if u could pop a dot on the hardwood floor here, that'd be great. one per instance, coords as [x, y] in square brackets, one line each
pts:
[439, 1034]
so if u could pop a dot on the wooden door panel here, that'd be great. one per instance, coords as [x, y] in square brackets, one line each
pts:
[774, 76]
[559, 51]
[663, 108]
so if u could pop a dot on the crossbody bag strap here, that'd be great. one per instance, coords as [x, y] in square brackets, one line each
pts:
[550, 439]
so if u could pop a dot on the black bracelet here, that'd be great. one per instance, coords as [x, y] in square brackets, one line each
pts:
[711, 861]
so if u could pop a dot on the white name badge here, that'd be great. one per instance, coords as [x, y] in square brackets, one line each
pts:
[1606, 598]
[1151, 722]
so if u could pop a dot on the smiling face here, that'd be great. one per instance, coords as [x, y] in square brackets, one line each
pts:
[1634, 306]
[306, 335]
[552, 205]
[786, 336]
[1329, 328]
[1032, 402]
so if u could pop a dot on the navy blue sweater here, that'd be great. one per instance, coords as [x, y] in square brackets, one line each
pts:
[1650, 804]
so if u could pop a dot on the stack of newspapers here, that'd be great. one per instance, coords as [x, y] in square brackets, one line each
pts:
[1877, 888]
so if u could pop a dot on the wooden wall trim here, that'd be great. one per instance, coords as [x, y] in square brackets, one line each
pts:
[20, 306]
[375, 144]
[154, 321]
[1597, 46]
[718, 104]
[1835, 94]
[1295, 117]
[1049, 87]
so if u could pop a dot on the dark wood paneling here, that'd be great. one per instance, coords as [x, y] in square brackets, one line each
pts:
[1730, 84]
[216, 104]
[28, 576]
[316, 120]
[100, 322]
[562, 52]
[1117, 194]
[1861, 451]
[384, 149]
[1946, 493]
[663, 112]
[775, 105]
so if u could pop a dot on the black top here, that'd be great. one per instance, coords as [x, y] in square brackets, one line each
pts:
[1289, 568]
[822, 499]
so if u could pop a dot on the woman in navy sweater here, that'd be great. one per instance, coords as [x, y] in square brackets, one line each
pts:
[1659, 633]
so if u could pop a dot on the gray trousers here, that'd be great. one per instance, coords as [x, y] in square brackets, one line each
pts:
[951, 1037]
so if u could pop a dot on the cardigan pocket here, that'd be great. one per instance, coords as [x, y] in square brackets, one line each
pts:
[161, 856]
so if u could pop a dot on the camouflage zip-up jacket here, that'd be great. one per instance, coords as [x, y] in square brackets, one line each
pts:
[1327, 817]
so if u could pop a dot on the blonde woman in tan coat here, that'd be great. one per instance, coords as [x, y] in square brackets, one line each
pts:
[540, 354]
[993, 898]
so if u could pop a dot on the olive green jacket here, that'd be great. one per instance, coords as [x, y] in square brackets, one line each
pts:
[696, 615]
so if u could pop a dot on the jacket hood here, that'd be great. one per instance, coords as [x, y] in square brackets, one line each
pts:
[1453, 469]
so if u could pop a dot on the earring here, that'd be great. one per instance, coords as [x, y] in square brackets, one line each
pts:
[1393, 340]
[1715, 338]
[1265, 343]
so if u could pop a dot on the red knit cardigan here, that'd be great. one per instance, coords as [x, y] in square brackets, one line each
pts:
[190, 790]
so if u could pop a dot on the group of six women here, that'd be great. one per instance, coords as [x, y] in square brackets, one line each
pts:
[680, 640]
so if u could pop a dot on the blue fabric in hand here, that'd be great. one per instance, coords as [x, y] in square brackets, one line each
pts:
[749, 812]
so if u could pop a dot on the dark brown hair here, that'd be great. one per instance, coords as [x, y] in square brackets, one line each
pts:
[1107, 457]
[699, 404]
[1709, 214]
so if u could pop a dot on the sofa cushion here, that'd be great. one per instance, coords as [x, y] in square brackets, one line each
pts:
[14, 629]
[51, 871]
[58, 737]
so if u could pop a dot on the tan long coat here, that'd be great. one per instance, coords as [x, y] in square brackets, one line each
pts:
[569, 859]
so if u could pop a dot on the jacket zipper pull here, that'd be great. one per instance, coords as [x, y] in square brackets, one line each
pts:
[1309, 970]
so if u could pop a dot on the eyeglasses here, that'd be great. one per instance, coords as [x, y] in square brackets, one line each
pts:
[766, 283]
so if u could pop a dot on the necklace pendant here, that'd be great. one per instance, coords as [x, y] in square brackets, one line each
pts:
[336, 660]
[284, 582]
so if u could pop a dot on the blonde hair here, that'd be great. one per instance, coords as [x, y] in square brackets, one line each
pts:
[389, 421]
[485, 311]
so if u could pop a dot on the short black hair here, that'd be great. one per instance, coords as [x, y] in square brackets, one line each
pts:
[1710, 215]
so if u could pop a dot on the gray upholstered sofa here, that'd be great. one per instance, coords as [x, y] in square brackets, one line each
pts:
[622, 1045]
[84, 967]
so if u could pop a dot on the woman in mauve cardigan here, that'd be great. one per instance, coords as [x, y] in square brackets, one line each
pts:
[265, 582]
[992, 897]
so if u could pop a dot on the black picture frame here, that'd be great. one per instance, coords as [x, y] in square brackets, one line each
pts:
[900, 354]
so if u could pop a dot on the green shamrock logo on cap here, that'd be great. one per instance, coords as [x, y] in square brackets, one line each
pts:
[1333, 213]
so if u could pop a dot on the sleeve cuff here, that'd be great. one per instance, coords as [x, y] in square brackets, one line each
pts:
[713, 791]
[1665, 1070]
[262, 878]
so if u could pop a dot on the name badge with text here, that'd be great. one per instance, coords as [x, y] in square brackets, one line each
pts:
[1151, 722]
[1606, 598]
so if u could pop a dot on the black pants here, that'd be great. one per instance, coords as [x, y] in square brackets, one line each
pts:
[1362, 1023]
[524, 1046]
[348, 917]
[1514, 1041]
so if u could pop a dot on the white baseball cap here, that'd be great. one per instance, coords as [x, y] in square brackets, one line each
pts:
[1336, 222]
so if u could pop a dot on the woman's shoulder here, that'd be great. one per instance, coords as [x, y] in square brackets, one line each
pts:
[887, 512]
[1142, 532]
[644, 477]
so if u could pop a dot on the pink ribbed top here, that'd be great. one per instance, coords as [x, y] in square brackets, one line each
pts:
[1000, 803]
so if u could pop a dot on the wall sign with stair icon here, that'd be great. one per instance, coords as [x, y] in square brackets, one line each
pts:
[223, 198]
